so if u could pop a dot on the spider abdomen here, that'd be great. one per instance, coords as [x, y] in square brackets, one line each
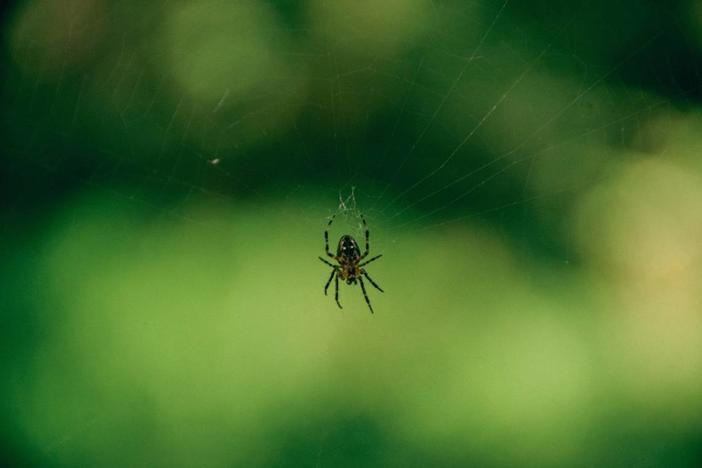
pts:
[348, 248]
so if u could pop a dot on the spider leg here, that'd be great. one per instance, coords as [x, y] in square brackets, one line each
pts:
[365, 254]
[336, 295]
[333, 266]
[371, 260]
[326, 286]
[326, 237]
[363, 288]
[365, 273]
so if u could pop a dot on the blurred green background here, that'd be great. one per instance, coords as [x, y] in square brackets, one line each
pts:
[531, 171]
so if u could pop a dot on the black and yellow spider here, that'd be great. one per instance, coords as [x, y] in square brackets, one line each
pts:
[350, 268]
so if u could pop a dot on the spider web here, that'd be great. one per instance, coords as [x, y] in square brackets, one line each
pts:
[433, 195]
[432, 119]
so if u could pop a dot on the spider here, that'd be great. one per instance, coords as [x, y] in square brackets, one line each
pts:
[350, 268]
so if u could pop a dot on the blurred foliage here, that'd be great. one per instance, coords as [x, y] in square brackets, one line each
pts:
[530, 171]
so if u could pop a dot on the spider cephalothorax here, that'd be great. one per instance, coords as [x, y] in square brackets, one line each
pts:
[349, 268]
